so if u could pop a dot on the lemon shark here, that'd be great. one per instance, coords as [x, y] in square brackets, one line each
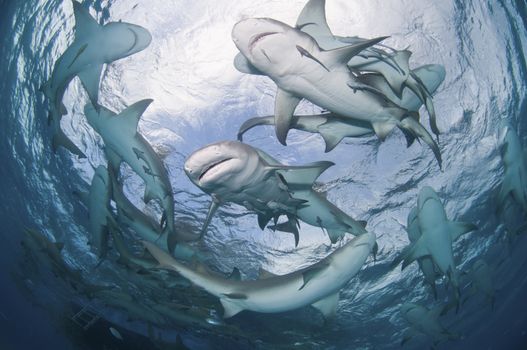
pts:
[514, 184]
[334, 128]
[100, 214]
[425, 321]
[426, 264]
[393, 66]
[94, 45]
[145, 227]
[301, 69]
[317, 285]
[124, 143]
[232, 171]
[437, 236]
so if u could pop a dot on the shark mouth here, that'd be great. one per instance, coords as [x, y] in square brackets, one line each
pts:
[212, 166]
[259, 37]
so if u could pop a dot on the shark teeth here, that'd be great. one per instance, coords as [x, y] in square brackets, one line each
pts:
[213, 165]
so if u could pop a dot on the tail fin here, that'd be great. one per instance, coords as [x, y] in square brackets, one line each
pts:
[414, 127]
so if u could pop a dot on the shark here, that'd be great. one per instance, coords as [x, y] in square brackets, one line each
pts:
[425, 321]
[426, 264]
[316, 285]
[480, 281]
[124, 143]
[437, 235]
[146, 228]
[94, 46]
[231, 171]
[302, 70]
[514, 183]
[334, 128]
[100, 213]
[393, 66]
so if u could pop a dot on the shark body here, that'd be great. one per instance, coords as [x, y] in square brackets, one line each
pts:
[231, 171]
[426, 264]
[334, 128]
[514, 184]
[94, 45]
[301, 69]
[437, 235]
[317, 285]
[393, 66]
[425, 321]
[124, 143]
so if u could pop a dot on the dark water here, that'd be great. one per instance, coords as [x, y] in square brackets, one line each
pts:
[200, 98]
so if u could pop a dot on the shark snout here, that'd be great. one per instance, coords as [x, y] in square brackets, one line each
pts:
[142, 37]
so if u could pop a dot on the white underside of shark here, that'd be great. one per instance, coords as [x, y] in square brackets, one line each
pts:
[317, 285]
[94, 46]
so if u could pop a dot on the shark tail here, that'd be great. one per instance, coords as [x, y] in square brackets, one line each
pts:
[254, 122]
[420, 90]
[415, 128]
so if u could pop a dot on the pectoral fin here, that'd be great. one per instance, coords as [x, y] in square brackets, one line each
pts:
[214, 205]
[414, 252]
[129, 118]
[312, 21]
[328, 305]
[301, 176]
[90, 78]
[85, 24]
[341, 56]
[285, 105]
[230, 307]
[457, 228]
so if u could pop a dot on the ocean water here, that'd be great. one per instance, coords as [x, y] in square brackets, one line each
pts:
[199, 98]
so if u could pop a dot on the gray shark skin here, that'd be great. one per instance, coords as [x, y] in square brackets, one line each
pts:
[231, 171]
[425, 321]
[426, 264]
[317, 285]
[300, 69]
[94, 45]
[124, 143]
[100, 213]
[514, 184]
[394, 66]
[333, 128]
[147, 228]
[437, 235]
[480, 281]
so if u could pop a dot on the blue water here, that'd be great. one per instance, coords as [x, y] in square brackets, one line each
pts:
[199, 98]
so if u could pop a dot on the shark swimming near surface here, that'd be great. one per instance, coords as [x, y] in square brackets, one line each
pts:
[393, 66]
[317, 285]
[437, 236]
[124, 143]
[301, 69]
[425, 321]
[334, 128]
[231, 171]
[426, 264]
[514, 184]
[94, 45]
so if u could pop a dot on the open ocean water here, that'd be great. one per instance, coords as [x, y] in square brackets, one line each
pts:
[200, 98]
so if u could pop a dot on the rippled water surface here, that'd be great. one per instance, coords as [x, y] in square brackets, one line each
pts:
[200, 98]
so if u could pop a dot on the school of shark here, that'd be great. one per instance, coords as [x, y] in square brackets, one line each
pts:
[365, 89]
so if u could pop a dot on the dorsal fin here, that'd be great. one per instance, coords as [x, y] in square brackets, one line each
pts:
[341, 56]
[85, 24]
[301, 176]
[129, 118]
[235, 275]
